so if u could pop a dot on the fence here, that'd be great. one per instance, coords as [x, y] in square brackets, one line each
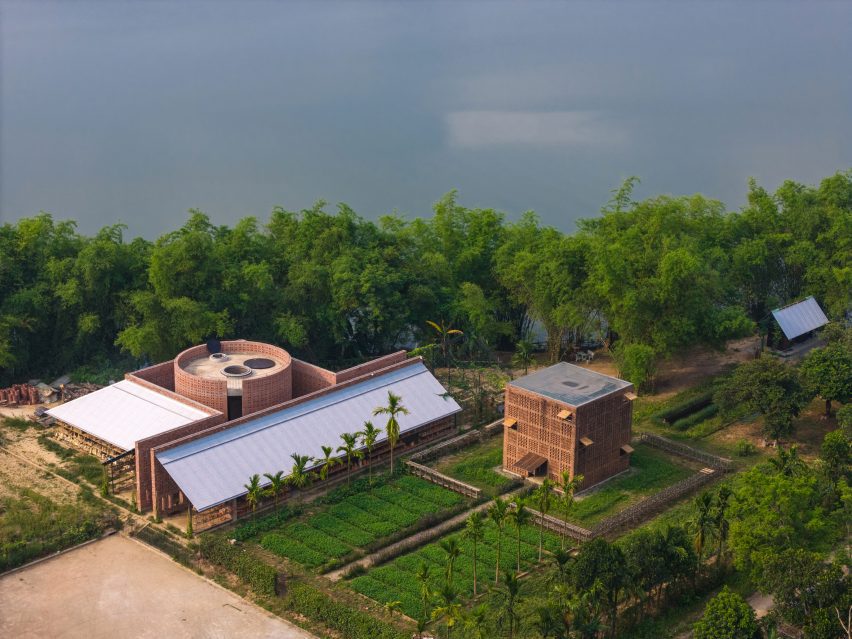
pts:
[435, 477]
[459, 441]
[562, 527]
[676, 448]
[161, 540]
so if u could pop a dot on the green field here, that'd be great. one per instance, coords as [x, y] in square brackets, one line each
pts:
[358, 520]
[475, 466]
[651, 470]
[397, 580]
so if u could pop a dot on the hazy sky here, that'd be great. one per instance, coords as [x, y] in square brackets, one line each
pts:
[138, 111]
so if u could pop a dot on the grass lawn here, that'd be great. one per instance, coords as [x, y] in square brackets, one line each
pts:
[397, 580]
[362, 518]
[650, 471]
[475, 466]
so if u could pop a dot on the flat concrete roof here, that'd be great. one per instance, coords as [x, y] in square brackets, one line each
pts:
[571, 384]
[211, 368]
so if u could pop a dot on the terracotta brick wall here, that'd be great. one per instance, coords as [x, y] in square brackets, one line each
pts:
[369, 367]
[144, 481]
[607, 422]
[308, 378]
[162, 375]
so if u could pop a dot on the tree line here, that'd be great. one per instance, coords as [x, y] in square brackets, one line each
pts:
[650, 278]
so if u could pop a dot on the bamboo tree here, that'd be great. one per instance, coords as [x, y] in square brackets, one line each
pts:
[475, 531]
[392, 410]
[350, 450]
[497, 512]
[369, 436]
[277, 482]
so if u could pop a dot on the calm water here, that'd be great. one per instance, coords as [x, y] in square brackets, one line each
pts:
[136, 112]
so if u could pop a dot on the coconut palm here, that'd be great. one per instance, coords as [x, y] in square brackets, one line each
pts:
[701, 524]
[523, 356]
[519, 516]
[509, 616]
[568, 486]
[423, 575]
[498, 512]
[393, 607]
[450, 610]
[253, 492]
[476, 623]
[369, 436]
[474, 529]
[328, 462]
[350, 451]
[300, 477]
[277, 482]
[451, 547]
[445, 334]
[392, 410]
[543, 500]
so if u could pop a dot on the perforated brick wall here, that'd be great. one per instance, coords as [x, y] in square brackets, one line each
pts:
[162, 375]
[308, 378]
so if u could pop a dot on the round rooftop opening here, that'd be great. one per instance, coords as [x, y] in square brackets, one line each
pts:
[236, 370]
[219, 357]
[258, 363]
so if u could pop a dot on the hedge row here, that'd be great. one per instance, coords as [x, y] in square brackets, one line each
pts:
[684, 408]
[696, 418]
[261, 577]
[348, 621]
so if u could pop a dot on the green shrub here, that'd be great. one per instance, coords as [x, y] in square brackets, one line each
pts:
[684, 408]
[696, 418]
[348, 621]
[745, 448]
[17, 423]
[638, 364]
[260, 576]
[727, 616]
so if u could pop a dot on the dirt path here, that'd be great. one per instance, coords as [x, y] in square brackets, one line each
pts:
[415, 540]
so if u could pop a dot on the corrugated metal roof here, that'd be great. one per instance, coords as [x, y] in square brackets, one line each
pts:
[214, 469]
[571, 384]
[800, 318]
[125, 412]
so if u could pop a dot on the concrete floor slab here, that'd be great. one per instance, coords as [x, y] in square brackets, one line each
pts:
[117, 587]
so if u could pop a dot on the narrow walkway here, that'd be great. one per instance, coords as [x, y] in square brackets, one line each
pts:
[417, 539]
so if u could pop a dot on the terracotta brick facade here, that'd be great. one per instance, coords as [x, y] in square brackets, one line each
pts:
[162, 375]
[538, 429]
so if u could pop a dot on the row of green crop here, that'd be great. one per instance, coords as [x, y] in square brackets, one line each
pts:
[359, 521]
[260, 576]
[397, 580]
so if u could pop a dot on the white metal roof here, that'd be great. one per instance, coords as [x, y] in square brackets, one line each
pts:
[800, 318]
[214, 469]
[125, 412]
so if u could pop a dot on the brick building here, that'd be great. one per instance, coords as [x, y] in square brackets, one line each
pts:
[565, 417]
[253, 404]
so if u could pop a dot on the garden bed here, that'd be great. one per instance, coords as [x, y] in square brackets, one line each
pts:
[476, 465]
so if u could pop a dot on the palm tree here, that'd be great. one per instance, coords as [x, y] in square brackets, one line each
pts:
[788, 463]
[549, 623]
[475, 531]
[276, 485]
[497, 512]
[393, 607]
[327, 461]
[299, 476]
[370, 434]
[569, 487]
[350, 450]
[523, 356]
[701, 524]
[444, 335]
[476, 623]
[422, 624]
[543, 499]
[511, 597]
[393, 409]
[253, 492]
[450, 609]
[519, 516]
[453, 550]
[425, 592]
[721, 522]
